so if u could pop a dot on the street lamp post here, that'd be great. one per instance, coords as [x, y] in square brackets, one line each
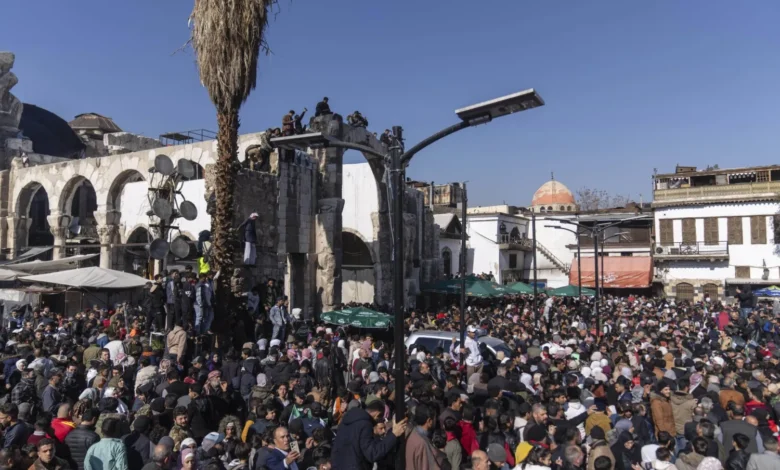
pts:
[463, 261]
[595, 230]
[395, 162]
[579, 258]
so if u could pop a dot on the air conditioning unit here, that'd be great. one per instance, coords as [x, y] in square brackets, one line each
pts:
[663, 250]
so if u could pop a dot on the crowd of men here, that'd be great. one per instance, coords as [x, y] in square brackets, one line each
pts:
[665, 385]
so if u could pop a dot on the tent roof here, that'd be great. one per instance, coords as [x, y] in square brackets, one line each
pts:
[95, 278]
[8, 275]
[38, 266]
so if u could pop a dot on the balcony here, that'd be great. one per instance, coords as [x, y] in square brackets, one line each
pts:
[697, 251]
[508, 242]
[765, 190]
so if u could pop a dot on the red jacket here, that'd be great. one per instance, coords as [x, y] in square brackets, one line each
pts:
[468, 437]
[62, 427]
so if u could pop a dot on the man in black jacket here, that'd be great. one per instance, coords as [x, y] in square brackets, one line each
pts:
[16, 432]
[82, 438]
[355, 445]
[137, 443]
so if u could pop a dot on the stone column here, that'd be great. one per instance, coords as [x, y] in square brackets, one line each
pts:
[108, 229]
[58, 225]
[18, 231]
[328, 219]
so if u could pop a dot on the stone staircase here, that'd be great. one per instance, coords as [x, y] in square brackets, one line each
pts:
[565, 268]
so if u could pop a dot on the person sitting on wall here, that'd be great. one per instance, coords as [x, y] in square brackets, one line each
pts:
[322, 109]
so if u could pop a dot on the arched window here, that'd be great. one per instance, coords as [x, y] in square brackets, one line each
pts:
[446, 260]
[563, 208]
[711, 291]
[568, 208]
[541, 210]
[684, 291]
[549, 208]
[356, 252]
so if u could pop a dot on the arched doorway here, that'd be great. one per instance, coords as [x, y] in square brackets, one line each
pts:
[79, 200]
[711, 291]
[136, 258]
[34, 203]
[514, 235]
[117, 189]
[684, 291]
[357, 270]
[446, 260]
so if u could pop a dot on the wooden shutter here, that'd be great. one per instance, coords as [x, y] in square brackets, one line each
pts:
[742, 272]
[735, 230]
[667, 232]
[758, 230]
[689, 231]
[711, 235]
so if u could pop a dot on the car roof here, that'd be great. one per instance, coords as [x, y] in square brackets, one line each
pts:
[489, 340]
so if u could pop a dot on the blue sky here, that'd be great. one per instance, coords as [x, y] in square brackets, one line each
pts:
[629, 86]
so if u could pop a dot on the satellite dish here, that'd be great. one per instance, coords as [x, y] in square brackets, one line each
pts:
[162, 208]
[163, 165]
[158, 249]
[180, 248]
[185, 168]
[188, 210]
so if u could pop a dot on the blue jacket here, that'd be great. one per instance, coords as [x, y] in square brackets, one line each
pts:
[355, 446]
[171, 292]
[16, 435]
[275, 461]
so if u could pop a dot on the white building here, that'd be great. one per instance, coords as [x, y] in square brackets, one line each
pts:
[716, 230]
[500, 238]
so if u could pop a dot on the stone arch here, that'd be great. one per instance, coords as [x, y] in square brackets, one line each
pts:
[356, 251]
[711, 290]
[33, 203]
[114, 196]
[73, 188]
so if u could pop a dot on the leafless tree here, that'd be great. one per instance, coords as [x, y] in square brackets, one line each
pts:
[589, 199]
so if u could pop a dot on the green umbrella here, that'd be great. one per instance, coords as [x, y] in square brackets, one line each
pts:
[485, 289]
[445, 286]
[571, 291]
[358, 317]
[520, 288]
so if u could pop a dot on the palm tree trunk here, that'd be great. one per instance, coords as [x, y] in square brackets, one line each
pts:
[224, 243]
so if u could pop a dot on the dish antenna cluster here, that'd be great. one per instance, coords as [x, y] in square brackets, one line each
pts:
[165, 185]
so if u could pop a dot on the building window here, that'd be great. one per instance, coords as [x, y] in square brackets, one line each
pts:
[684, 291]
[742, 272]
[549, 208]
[512, 261]
[541, 210]
[711, 291]
[446, 259]
[735, 230]
[563, 208]
[689, 231]
[711, 235]
[626, 253]
[758, 230]
[667, 232]
[568, 208]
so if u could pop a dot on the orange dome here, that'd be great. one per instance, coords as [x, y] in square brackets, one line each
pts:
[552, 193]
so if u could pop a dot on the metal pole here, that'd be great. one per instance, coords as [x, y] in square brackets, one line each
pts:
[579, 266]
[603, 242]
[396, 177]
[533, 234]
[463, 260]
[596, 281]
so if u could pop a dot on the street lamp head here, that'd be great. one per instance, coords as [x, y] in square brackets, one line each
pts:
[495, 108]
[301, 141]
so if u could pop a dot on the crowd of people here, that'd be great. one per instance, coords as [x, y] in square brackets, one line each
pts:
[664, 385]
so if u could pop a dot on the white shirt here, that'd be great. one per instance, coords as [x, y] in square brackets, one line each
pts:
[474, 358]
[114, 348]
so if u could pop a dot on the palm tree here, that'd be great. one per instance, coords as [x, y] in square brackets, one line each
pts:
[227, 36]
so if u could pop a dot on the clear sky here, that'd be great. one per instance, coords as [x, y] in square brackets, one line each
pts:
[629, 86]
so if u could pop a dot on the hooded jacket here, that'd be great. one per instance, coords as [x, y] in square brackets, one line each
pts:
[355, 447]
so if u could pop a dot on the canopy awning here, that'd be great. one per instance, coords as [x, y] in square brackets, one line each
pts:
[754, 282]
[37, 266]
[32, 252]
[92, 278]
[622, 272]
[8, 275]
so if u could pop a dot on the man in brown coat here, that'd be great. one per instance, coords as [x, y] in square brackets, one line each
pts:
[727, 394]
[661, 407]
[420, 453]
[177, 342]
